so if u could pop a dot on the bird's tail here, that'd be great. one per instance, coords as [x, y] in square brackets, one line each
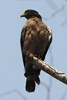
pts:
[32, 77]
[30, 85]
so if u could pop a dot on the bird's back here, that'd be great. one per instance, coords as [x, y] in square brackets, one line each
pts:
[36, 37]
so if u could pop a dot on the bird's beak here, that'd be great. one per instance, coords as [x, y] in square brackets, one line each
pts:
[23, 15]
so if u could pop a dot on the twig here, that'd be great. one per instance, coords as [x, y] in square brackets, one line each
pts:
[13, 91]
[55, 13]
[51, 4]
[64, 95]
[47, 68]
[64, 23]
[43, 84]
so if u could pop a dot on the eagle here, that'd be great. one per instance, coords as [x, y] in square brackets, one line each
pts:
[35, 38]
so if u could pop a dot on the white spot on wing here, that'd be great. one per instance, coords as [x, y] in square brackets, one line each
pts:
[49, 37]
[50, 30]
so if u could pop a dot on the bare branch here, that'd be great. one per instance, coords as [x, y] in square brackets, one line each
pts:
[64, 95]
[64, 23]
[55, 13]
[50, 78]
[45, 86]
[13, 91]
[47, 68]
[51, 4]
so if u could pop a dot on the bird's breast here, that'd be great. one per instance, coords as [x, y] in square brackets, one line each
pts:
[36, 41]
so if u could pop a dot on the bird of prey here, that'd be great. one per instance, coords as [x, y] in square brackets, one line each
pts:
[35, 38]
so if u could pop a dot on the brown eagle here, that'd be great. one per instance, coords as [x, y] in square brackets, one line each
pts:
[35, 38]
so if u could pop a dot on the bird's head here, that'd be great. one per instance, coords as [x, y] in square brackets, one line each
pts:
[30, 14]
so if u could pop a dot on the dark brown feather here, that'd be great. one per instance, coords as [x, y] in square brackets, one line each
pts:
[35, 38]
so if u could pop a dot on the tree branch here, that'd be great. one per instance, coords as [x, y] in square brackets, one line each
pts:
[47, 68]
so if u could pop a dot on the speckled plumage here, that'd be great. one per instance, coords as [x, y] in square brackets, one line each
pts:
[35, 38]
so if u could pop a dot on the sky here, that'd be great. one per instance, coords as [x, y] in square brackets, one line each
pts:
[12, 80]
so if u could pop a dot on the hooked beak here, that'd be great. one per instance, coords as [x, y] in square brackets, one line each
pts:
[23, 15]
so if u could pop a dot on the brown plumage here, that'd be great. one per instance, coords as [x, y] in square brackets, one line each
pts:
[35, 38]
